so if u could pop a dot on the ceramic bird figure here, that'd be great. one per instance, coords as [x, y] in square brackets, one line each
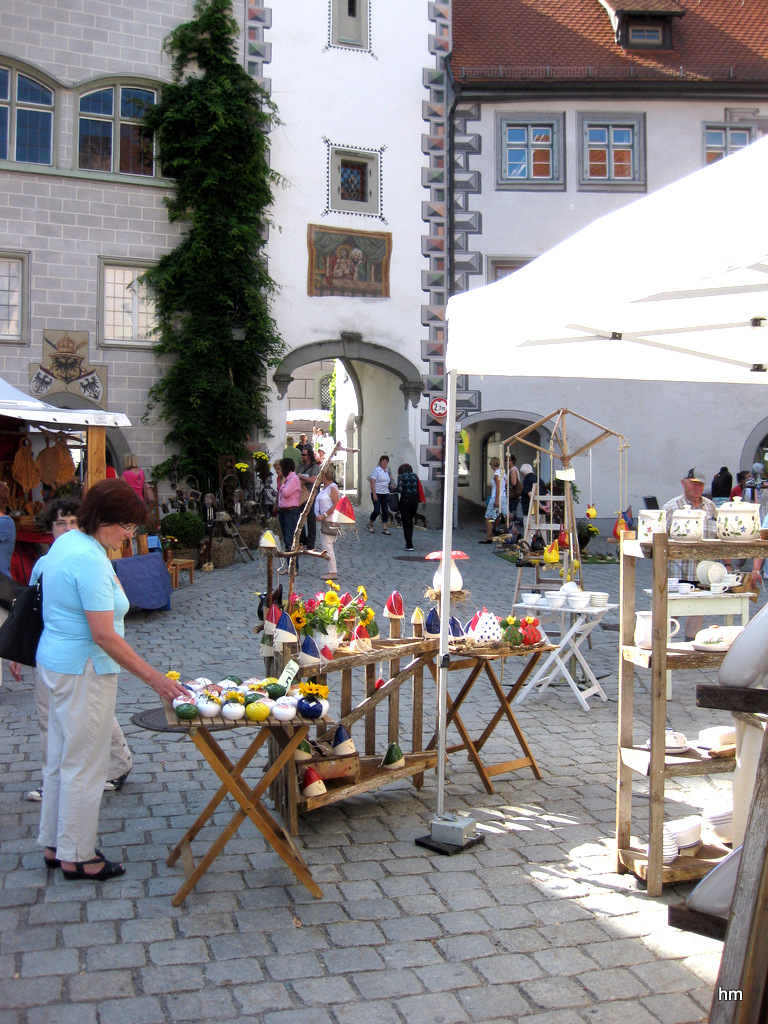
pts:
[620, 525]
[591, 512]
[552, 552]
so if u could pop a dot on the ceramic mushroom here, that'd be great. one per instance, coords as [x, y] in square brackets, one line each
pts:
[455, 582]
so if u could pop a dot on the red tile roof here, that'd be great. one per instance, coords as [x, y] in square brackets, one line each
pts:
[562, 40]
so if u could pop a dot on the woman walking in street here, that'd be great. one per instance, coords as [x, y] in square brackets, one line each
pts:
[381, 484]
[326, 500]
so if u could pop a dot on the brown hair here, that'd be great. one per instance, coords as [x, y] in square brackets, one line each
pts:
[405, 468]
[130, 461]
[287, 466]
[5, 495]
[69, 505]
[109, 502]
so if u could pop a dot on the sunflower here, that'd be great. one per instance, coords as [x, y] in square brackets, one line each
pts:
[368, 616]
[310, 688]
[299, 619]
[362, 592]
[331, 599]
[332, 585]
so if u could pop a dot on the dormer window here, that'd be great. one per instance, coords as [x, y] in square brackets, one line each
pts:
[643, 25]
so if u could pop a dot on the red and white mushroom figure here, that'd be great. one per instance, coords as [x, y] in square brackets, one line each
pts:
[455, 582]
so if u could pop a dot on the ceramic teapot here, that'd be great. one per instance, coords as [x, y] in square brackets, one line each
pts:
[738, 520]
[644, 629]
[687, 524]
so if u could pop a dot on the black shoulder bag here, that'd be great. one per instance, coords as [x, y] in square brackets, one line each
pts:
[20, 633]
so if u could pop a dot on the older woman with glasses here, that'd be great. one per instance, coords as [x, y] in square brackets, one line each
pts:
[80, 652]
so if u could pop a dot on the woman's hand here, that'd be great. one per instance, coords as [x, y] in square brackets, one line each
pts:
[15, 668]
[165, 687]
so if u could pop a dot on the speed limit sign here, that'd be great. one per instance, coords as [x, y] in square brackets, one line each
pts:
[438, 407]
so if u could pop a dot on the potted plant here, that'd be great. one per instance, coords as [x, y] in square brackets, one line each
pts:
[585, 531]
[187, 528]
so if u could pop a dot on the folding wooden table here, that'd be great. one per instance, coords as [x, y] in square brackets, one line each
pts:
[478, 663]
[288, 735]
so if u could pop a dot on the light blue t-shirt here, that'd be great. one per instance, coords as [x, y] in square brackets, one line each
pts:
[77, 576]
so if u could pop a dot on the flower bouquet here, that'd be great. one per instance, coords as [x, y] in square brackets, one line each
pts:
[328, 615]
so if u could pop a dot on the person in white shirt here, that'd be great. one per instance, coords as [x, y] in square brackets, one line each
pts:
[381, 484]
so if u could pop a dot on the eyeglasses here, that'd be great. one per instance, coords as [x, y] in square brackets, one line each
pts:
[64, 524]
[129, 529]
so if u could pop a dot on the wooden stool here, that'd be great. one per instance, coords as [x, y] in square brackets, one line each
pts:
[173, 569]
[184, 565]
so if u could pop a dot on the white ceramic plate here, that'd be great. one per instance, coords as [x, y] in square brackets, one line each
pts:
[720, 646]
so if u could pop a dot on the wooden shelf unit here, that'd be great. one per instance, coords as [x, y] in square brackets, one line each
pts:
[663, 656]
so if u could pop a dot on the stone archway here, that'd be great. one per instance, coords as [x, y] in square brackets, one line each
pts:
[383, 422]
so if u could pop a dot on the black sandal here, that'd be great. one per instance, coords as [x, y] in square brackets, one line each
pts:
[110, 869]
[54, 862]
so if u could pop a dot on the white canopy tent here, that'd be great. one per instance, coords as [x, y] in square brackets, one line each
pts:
[18, 406]
[672, 287]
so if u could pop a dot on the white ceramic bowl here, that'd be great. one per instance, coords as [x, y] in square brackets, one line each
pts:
[686, 830]
[579, 601]
[556, 599]
[570, 586]
[531, 599]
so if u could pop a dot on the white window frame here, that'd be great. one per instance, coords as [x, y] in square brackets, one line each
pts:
[729, 146]
[138, 294]
[529, 120]
[20, 337]
[612, 122]
[349, 24]
[498, 267]
[372, 159]
[116, 120]
[15, 107]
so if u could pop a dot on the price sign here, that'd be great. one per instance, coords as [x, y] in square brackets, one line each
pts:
[438, 407]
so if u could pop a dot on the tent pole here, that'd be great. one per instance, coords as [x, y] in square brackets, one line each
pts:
[449, 476]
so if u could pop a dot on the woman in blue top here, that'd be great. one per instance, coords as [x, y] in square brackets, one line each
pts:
[78, 657]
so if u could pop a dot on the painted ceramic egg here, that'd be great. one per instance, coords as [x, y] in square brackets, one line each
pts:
[253, 683]
[208, 708]
[186, 712]
[183, 700]
[275, 690]
[233, 712]
[231, 681]
[202, 682]
[310, 707]
[284, 712]
[256, 711]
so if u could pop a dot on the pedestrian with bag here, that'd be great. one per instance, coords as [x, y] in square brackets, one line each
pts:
[325, 502]
[59, 517]
[408, 496]
[80, 652]
[514, 487]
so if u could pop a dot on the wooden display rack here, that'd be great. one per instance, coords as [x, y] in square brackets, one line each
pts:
[663, 656]
[417, 653]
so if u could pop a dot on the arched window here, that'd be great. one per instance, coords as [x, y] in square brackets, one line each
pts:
[325, 391]
[110, 135]
[26, 118]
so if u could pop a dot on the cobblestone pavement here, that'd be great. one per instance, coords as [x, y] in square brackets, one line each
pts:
[532, 926]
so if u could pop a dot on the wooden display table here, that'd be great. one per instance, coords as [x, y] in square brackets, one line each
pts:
[478, 664]
[287, 736]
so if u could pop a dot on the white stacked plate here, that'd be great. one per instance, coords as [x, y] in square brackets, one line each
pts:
[687, 831]
[720, 821]
[701, 572]
[716, 573]
[716, 736]
[599, 598]
[669, 846]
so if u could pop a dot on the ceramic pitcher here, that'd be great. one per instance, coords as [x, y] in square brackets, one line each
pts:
[650, 521]
[644, 629]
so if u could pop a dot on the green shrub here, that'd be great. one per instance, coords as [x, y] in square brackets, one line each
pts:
[186, 527]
